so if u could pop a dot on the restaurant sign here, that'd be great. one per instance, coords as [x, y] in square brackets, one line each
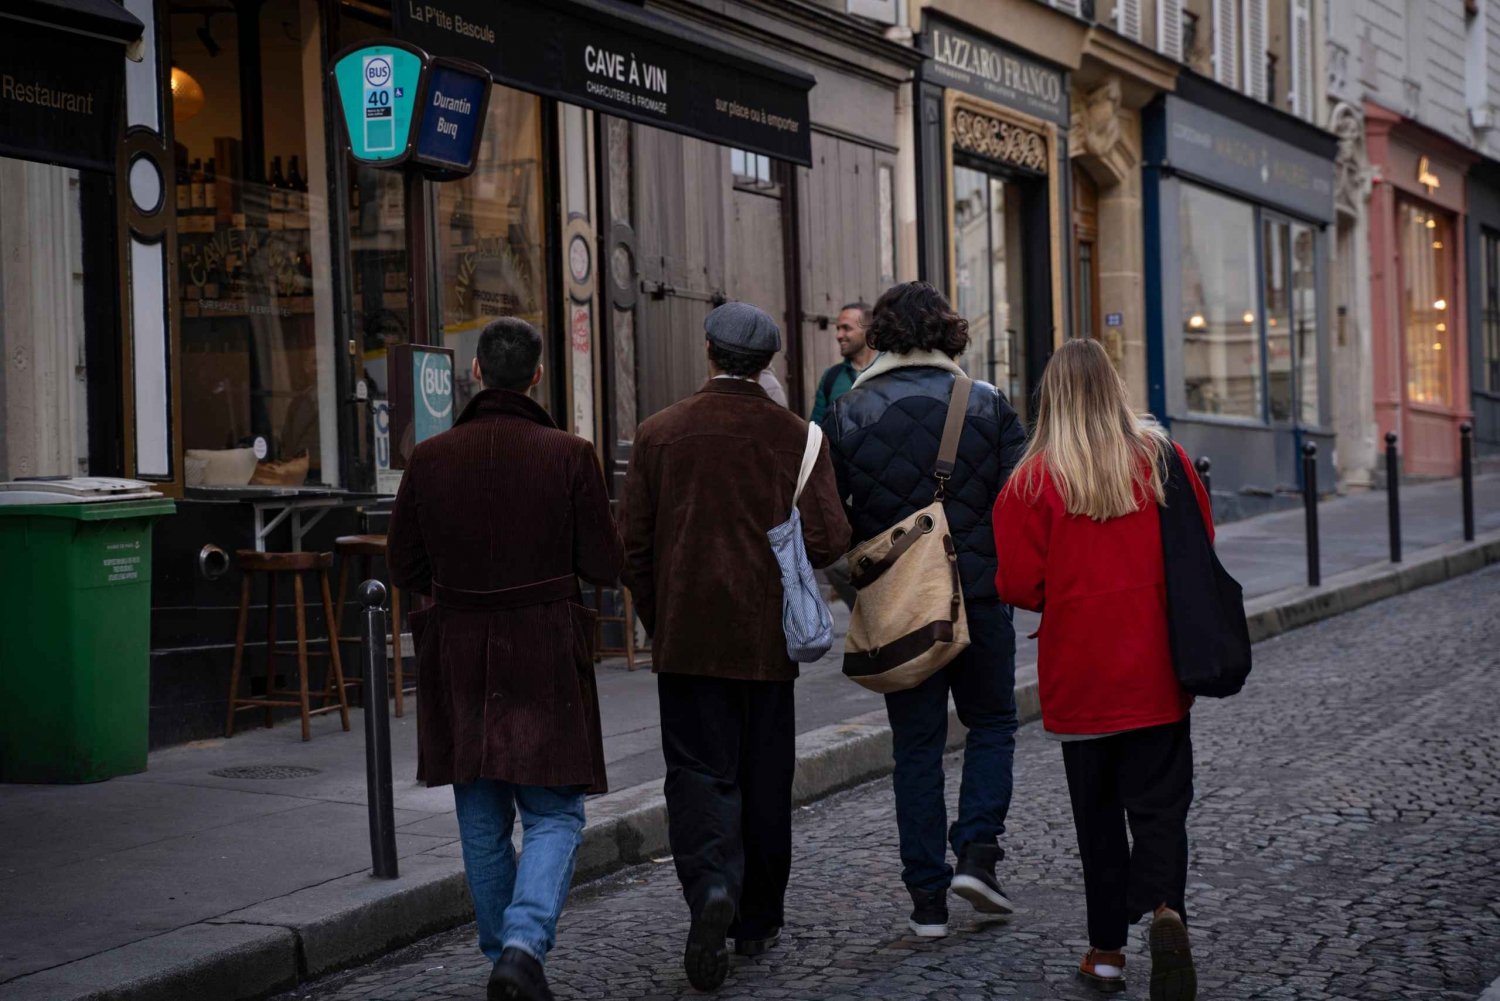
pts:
[988, 68]
[59, 96]
[623, 61]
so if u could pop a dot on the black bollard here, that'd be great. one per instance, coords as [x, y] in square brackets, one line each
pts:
[1205, 476]
[1393, 494]
[1466, 446]
[1310, 501]
[377, 732]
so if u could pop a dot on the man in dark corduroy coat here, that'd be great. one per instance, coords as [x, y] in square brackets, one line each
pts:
[496, 520]
[709, 476]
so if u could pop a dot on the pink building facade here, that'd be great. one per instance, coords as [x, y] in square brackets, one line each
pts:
[1418, 291]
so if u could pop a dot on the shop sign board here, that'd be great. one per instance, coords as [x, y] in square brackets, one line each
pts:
[626, 62]
[1227, 153]
[60, 96]
[988, 68]
[378, 86]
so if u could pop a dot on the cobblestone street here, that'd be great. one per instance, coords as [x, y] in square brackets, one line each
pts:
[1346, 845]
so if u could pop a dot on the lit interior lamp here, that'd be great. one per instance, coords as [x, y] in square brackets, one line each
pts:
[1442, 327]
[1438, 346]
[1437, 244]
[1440, 305]
[187, 95]
[1432, 224]
[1197, 322]
[1249, 317]
[1272, 321]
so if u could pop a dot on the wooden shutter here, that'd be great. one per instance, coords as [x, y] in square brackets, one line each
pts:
[1070, 6]
[1128, 18]
[1255, 48]
[1226, 42]
[1169, 29]
[1300, 51]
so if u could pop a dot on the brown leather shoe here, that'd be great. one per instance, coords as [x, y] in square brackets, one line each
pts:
[1103, 970]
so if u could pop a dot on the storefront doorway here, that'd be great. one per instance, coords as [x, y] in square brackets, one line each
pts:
[990, 290]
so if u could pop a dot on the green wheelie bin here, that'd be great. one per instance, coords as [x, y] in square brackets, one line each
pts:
[75, 653]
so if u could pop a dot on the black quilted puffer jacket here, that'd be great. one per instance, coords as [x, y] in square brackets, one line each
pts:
[883, 435]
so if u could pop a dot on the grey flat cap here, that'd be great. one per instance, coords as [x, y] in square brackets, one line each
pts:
[740, 326]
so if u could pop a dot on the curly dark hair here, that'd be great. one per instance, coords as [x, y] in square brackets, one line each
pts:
[915, 316]
[744, 364]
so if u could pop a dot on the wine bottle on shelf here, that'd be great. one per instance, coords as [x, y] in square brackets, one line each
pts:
[210, 188]
[184, 188]
[296, 186]
[196, 197]
[278, 186]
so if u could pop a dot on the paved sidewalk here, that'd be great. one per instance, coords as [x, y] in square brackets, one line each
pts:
[180, 861]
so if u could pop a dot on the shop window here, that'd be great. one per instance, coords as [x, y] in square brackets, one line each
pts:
[1305, 322]
[253, 268]
[987, 258]
[491, 260]
[1427, 302]
[1221, 345]
[750, 169]
[1490, 306]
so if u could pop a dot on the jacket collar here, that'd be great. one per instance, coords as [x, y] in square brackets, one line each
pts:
[505, 403]
[736, 387]
[889, 361]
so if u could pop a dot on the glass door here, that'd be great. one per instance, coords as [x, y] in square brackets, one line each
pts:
[989, 279]
[1290, 296]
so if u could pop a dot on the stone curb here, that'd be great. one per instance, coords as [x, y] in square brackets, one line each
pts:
[277, 944]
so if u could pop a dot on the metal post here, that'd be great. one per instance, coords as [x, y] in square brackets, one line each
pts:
[377, 732]
[1205, 476]
[1310, 501]
[1393, 493]
[1466, 446]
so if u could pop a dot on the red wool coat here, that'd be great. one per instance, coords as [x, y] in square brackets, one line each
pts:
[1104, 660]
[497, 518]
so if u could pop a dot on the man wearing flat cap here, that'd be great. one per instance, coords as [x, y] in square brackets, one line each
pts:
[708, 477]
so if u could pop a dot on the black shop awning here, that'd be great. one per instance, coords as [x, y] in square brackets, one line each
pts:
[623, 60]
[95, 18]
[62, 77]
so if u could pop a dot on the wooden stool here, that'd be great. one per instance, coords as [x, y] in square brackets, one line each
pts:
[366, 548]
[296, 564]
[626, 619]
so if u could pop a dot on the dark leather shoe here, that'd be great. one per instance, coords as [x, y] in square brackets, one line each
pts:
[929, 914]
[706, 958]
[757, 946]
[518, 976]
[975, 880]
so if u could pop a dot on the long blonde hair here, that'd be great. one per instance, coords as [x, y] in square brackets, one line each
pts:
[1103, 457]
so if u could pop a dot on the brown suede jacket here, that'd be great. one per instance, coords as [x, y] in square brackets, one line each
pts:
[709, 476]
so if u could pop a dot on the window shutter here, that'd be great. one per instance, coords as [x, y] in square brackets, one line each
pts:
[1071, 6]
[1301, 53]
[1226, 42]
[1128, 18]
[1169, 29]
[1255, 48]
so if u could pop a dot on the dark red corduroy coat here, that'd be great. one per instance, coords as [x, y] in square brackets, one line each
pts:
[1104, 662]
[497, 518]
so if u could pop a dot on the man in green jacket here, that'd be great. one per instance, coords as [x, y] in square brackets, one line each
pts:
[853, 320]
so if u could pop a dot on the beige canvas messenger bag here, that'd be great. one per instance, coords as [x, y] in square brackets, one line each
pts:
[908, 619]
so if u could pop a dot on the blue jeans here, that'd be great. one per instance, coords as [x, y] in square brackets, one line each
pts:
[518, 905]
[983, 682]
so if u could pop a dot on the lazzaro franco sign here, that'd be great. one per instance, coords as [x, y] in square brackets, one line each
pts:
[988, 68]
[623, 61]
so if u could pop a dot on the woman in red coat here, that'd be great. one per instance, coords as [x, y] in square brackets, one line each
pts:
[1078, 538]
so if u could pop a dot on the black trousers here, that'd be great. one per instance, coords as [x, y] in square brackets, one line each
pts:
[1145, 776]
[730, 748]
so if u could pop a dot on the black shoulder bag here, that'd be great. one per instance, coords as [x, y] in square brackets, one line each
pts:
[1205, 606]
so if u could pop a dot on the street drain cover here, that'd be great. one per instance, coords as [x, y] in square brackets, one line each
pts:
[265, 772]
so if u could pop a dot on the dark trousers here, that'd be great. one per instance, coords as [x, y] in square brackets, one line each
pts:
[983, 682]
[730, 748]
[1147, 777]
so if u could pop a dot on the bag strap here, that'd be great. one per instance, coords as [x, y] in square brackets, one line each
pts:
[809, 459]
[958, 406]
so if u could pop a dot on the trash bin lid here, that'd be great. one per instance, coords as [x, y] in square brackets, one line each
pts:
[74, 490]
[86, 498]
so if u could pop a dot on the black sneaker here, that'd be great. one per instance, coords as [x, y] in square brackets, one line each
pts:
[1173, 975]
[518, 976]
[929, 913]
[706, 958]
[975, 881]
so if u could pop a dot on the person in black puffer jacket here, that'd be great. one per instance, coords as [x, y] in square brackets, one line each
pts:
[883, 436]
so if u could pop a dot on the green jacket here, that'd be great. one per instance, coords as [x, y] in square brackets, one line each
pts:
[837, 380]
